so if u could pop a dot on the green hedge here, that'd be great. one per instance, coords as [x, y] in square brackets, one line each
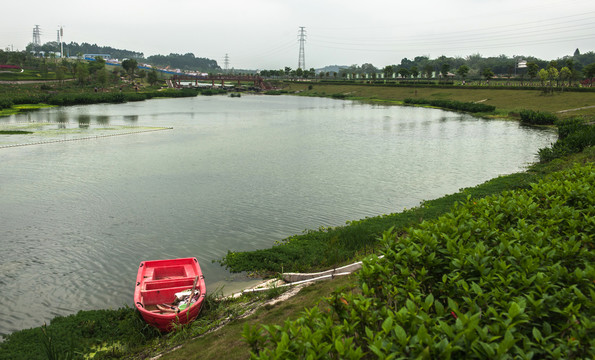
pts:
[453, 105]
[5, 104]
[573, 137]
[537, 117]
[504, 277]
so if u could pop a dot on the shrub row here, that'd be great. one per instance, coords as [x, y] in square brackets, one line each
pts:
[537, 117]
[5, 103]
[573, 137]
[453, 105]
[508, 276]
[64, 99]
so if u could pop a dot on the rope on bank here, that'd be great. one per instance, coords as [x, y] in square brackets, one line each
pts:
[84, 138]
[292, 279]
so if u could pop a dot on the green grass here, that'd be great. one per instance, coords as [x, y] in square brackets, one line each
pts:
[506, 101]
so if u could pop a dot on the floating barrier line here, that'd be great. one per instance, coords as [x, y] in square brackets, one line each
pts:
[85, 138]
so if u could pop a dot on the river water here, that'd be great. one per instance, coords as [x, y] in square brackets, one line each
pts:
[77, 217]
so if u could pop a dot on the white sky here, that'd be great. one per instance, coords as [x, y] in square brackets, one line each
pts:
[263, 34]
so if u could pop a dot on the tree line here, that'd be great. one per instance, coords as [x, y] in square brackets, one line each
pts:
[186, 61]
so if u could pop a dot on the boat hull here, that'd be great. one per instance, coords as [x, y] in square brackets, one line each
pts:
[158, 281]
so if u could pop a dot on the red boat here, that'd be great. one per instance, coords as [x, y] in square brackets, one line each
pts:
[163, 292]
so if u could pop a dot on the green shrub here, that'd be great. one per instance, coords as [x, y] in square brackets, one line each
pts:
[573, 137]
[453, 105]
[508, 276]
[537, 118]
[5, 103]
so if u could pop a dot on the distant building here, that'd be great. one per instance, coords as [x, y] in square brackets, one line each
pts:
[93, 56]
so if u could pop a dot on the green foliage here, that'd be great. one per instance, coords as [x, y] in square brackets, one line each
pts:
[573, 137]
[185, 62]
[76, 334]
[507, 276]
[453, 105]
[537, 117]
[5, 103]
[208, 92]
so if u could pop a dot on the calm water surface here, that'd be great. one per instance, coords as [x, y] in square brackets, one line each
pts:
[233, 174]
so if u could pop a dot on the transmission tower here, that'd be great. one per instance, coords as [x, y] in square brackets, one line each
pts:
[302, 56]
[36, 37]
[226, 62]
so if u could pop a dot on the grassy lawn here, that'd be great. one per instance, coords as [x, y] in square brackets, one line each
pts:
[505, 101]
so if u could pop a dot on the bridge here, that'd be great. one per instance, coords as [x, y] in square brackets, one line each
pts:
[254, 79]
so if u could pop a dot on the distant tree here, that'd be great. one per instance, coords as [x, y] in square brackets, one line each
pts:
[60, 74]
[368, 68]
[565, 74]
[532, 70]
[404, 72]
[444, 70]
[82, 73]
[96, 65]
[553, 75]
[287, 70]
[152, 77]
[388, 71]
[589, 72]
[571, 66]
[299, 72]
[114, 76]
[543, 76]
[428, 69]
[487, 73]
[462, 71]
[414, 72]
[130, 66]
[102, 77]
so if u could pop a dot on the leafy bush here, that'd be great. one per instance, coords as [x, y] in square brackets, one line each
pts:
[453, 105]
[508, 276]
[5, 103]
[537, 117]
[75, 333]
[573, 137]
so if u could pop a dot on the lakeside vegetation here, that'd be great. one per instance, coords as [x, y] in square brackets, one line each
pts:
[95, 333]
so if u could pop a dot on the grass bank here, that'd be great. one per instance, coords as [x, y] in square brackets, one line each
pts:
[508, 103]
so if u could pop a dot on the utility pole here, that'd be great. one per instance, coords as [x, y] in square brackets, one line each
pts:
[226, 62]
[302, 56]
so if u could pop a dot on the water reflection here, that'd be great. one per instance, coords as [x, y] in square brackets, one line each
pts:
[132, 119]
[84, 121]
[264, 168]
[102, 119]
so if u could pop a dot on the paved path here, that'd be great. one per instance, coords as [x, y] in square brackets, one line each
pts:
[581, 108]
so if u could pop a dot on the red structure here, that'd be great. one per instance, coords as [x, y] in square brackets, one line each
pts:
[255, 79]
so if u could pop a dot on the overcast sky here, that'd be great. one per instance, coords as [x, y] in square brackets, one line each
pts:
[263, 34]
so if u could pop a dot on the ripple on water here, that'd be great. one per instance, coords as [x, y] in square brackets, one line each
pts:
[78, 217]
